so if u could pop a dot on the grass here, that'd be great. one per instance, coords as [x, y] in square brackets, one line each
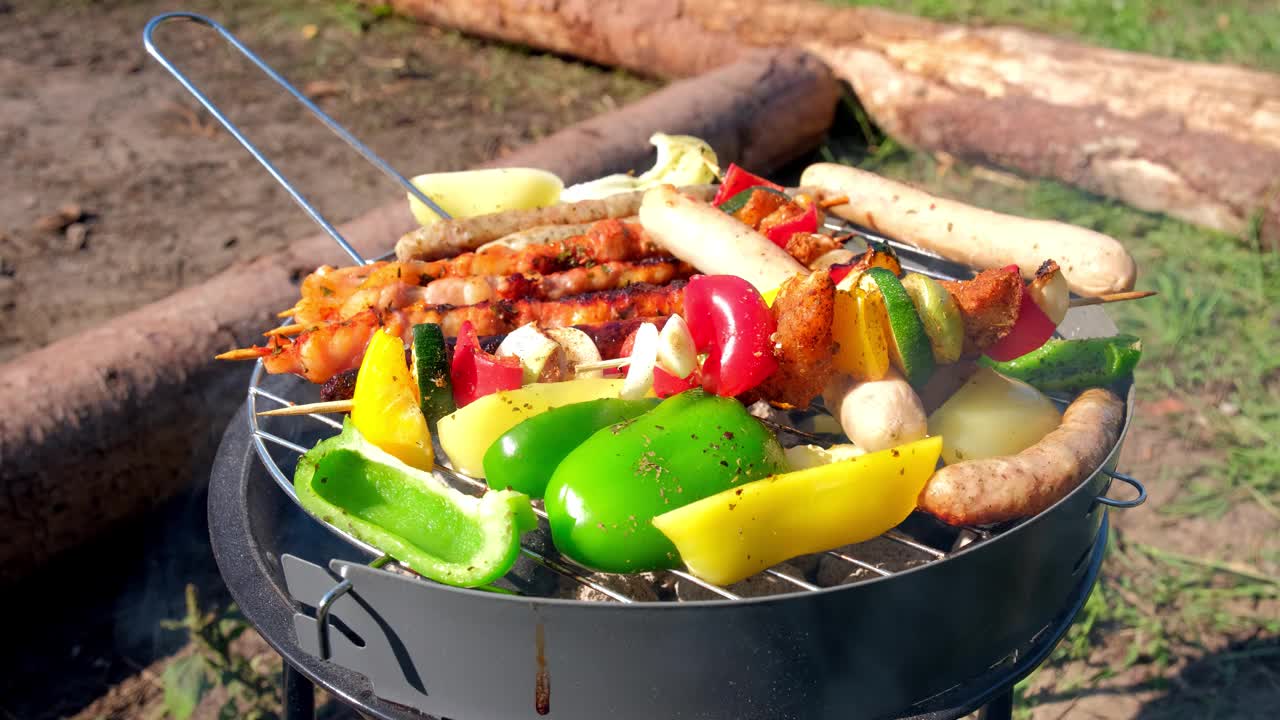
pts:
[1246, 32]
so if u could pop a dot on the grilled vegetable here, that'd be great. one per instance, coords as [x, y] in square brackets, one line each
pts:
[524, 457]
[740, 531]
[909, 347]
[430, 364]
[682, 160]
[941, 316]
[478, 192]
[1070, 366]
[531, 347]
[729, 320]
[990, 416]
[434, 530]
[385, 404]
[476, 373]
[736, 180]
[876, 414]
[806, 222]
[1049, 290]
[862, 347]
[603, 494]
[978, 492]
[466, 435]
[1031, 329]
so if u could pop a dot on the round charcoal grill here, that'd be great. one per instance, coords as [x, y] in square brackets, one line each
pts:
[926, 621]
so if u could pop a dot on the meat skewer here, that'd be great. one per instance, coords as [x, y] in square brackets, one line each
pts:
[320, 353]
[327, 291]
[462, 291]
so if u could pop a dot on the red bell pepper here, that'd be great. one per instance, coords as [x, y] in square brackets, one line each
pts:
[840, 272]
[806, 223]
[1031, 330]
[732, 324]
[736, 180]
[476, 373]
[665, 384]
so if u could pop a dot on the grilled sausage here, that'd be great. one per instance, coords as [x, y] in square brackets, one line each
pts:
[1094, 264]
[450, 237]
[979, 492]
[712, 241]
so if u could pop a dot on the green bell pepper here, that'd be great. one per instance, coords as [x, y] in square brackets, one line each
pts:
[431, 528]
[524, 457]
[1070, 366]
[604, 495]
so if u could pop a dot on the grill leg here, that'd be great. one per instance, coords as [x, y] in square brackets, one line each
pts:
[299, 695]
[1000, 707]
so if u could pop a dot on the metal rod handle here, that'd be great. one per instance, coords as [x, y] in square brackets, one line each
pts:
[1124, 504]
[148, 40]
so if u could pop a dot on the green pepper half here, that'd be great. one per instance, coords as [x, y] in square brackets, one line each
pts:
[411, 515]
[604, 495]
[1070, 366]
[524, 457]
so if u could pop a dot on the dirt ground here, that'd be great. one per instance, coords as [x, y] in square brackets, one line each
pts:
[162, 198]
[115, 191]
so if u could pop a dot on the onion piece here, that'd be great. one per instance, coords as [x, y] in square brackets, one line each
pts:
[677, 353]
[578, 349]
[532, 348]
[644, 356]
[1050, 292]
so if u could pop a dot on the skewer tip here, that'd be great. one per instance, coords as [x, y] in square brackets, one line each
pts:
[333, 406]
[249, 353]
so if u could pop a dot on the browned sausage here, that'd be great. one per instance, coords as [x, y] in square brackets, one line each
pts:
[979, 492]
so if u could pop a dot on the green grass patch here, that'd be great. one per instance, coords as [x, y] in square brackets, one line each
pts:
[1239, 31]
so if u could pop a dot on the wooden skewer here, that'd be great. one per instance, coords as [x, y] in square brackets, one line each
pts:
[1113, 297]
[333, 406]
[285, 330]
[240, 354]
[601, 364]
[287, 313]
[832, 202]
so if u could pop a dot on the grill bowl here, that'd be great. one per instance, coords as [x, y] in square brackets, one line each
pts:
[880, 647]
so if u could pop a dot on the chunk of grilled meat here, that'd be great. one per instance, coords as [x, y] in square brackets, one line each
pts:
[804, 310]
[989, 304]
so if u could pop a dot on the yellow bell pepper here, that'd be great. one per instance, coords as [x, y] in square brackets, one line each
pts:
[466, 435]
[385, 404]
[858, 326]
[739, 532]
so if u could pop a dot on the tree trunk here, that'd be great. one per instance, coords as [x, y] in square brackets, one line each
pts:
[1198, 141]
[102, 426]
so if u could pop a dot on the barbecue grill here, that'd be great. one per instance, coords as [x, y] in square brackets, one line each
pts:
[926, 621]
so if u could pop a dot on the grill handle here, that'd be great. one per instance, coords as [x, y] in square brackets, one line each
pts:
[1123, 504]
[148, 40]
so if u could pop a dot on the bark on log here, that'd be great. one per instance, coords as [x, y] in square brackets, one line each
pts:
[1198, 141]
[104, 425]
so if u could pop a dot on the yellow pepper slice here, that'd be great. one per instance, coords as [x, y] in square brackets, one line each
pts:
[739, 532]
[858, 326]
[466, 435]
[386, 410]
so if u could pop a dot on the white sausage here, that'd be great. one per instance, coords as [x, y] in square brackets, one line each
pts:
[1093, 263]
[712, 241]
[879, 414]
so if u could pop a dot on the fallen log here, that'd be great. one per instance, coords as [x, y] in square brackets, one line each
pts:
[1197, 141]
[102, 426]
